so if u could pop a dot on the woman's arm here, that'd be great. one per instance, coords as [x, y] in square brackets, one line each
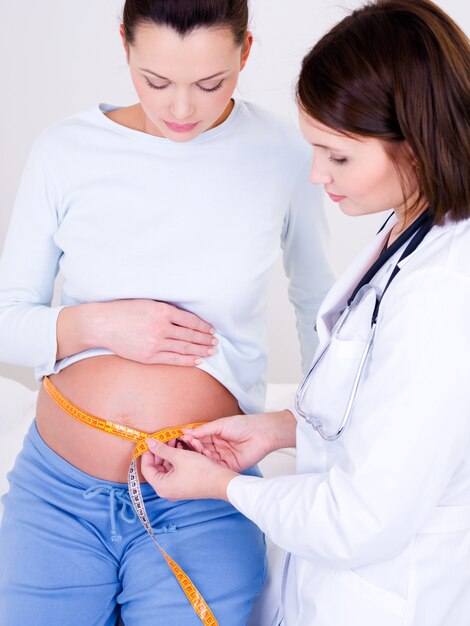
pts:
[306, 262]
[140, 330]
[305, 255]
[34, 333]
[28, 268]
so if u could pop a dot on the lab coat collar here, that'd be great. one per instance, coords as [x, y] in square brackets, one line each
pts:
[336, 299]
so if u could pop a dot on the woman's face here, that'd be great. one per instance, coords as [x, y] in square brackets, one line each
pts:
[357, 172]
[185, 83]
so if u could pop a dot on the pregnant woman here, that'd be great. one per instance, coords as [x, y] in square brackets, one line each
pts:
[165, 219]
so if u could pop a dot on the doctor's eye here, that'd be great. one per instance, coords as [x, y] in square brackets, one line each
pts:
[341, 161]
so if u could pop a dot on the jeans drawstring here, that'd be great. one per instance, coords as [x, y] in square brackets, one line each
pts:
[117, 496]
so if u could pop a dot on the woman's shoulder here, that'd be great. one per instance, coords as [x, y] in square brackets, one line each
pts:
[268, 122]
[69, 131]
[277, 135]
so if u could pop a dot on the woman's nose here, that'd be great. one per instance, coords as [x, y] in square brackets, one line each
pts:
[182, 107]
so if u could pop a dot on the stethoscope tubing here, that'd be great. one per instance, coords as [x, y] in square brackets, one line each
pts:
[414, 234]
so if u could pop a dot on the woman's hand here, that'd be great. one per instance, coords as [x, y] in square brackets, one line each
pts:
[140, 330]
[241, 441]
[178, 474]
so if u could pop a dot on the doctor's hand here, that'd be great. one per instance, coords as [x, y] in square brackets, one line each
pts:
[178, 474]
[140, 330]
[241, 441]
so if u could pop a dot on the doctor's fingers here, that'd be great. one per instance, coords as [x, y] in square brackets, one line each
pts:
[205, 446]
[205, 432]
[192, 336]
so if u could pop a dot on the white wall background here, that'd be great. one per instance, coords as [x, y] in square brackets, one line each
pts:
[60, 56]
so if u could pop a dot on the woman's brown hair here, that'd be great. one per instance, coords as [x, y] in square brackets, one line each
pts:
[399, 70]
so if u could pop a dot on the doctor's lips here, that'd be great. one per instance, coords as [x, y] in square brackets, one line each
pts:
[181, 128]
[335, 198]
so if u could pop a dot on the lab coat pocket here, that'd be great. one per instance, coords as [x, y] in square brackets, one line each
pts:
[370, 595]
[330, 386]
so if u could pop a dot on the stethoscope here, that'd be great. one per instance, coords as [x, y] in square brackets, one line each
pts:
[415, 234]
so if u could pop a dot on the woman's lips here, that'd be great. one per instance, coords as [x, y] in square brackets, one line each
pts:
[181, 128]
[335, 198]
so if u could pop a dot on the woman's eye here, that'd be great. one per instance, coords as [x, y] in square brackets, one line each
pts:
[211, 89]
[152, 86]
[337, 161]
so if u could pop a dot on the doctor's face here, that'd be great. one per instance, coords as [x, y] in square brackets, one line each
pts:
[357, 172]
[185, 84]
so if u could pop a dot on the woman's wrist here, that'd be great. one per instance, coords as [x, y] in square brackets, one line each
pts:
[79, 328]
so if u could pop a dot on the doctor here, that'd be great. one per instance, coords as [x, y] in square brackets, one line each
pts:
[377, 519]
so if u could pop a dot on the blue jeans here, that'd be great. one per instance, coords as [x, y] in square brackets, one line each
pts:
[73, 553]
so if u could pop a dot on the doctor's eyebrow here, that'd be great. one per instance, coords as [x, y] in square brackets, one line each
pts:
[330, 148]
[200, 80]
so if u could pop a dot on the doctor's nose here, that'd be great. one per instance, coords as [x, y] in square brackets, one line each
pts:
[319, 173]
[181, 107]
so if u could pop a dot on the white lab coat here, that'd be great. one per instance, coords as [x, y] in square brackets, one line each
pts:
[378, 522]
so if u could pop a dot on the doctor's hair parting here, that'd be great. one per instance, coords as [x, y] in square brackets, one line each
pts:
[399, 71]
[186, 15]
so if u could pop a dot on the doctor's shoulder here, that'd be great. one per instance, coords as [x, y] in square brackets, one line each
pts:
[448, 249]
[458, 253]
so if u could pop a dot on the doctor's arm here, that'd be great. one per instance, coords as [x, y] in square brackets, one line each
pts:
[221, 448]
[408, 434]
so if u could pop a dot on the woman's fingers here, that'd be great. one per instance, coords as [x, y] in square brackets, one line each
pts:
[192, 336]
[173, 358]
[189, 320]
[187, 349]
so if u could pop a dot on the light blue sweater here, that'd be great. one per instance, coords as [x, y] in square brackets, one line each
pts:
[199, 224]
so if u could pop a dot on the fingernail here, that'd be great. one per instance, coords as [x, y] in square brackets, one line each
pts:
[212, 331]
[211, 351]
[197, 361]
[214, 342]
[152, 444]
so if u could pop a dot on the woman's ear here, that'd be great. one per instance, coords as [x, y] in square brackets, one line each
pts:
[246, 49]
[125, 43]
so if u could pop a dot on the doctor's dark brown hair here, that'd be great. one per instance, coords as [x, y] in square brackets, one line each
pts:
[186, 15]
[399, 70]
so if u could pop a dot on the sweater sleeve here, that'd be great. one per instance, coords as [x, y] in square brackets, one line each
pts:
[28, 268]
[409, 434]
[305, 256]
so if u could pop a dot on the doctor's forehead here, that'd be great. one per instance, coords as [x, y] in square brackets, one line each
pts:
[320, 135]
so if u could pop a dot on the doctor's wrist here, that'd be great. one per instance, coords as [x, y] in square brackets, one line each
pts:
[283, 426]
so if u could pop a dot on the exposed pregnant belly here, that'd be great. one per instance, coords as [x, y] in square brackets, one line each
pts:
[145, 397]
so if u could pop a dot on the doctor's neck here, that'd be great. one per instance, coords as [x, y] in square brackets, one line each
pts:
[404, 219]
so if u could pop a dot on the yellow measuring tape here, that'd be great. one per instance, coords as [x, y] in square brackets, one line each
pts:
[138, 437]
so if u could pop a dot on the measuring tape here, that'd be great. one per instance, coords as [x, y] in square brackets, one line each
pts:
[138, 437]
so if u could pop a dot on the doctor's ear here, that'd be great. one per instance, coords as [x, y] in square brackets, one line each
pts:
[246, 49]
[125, 43]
